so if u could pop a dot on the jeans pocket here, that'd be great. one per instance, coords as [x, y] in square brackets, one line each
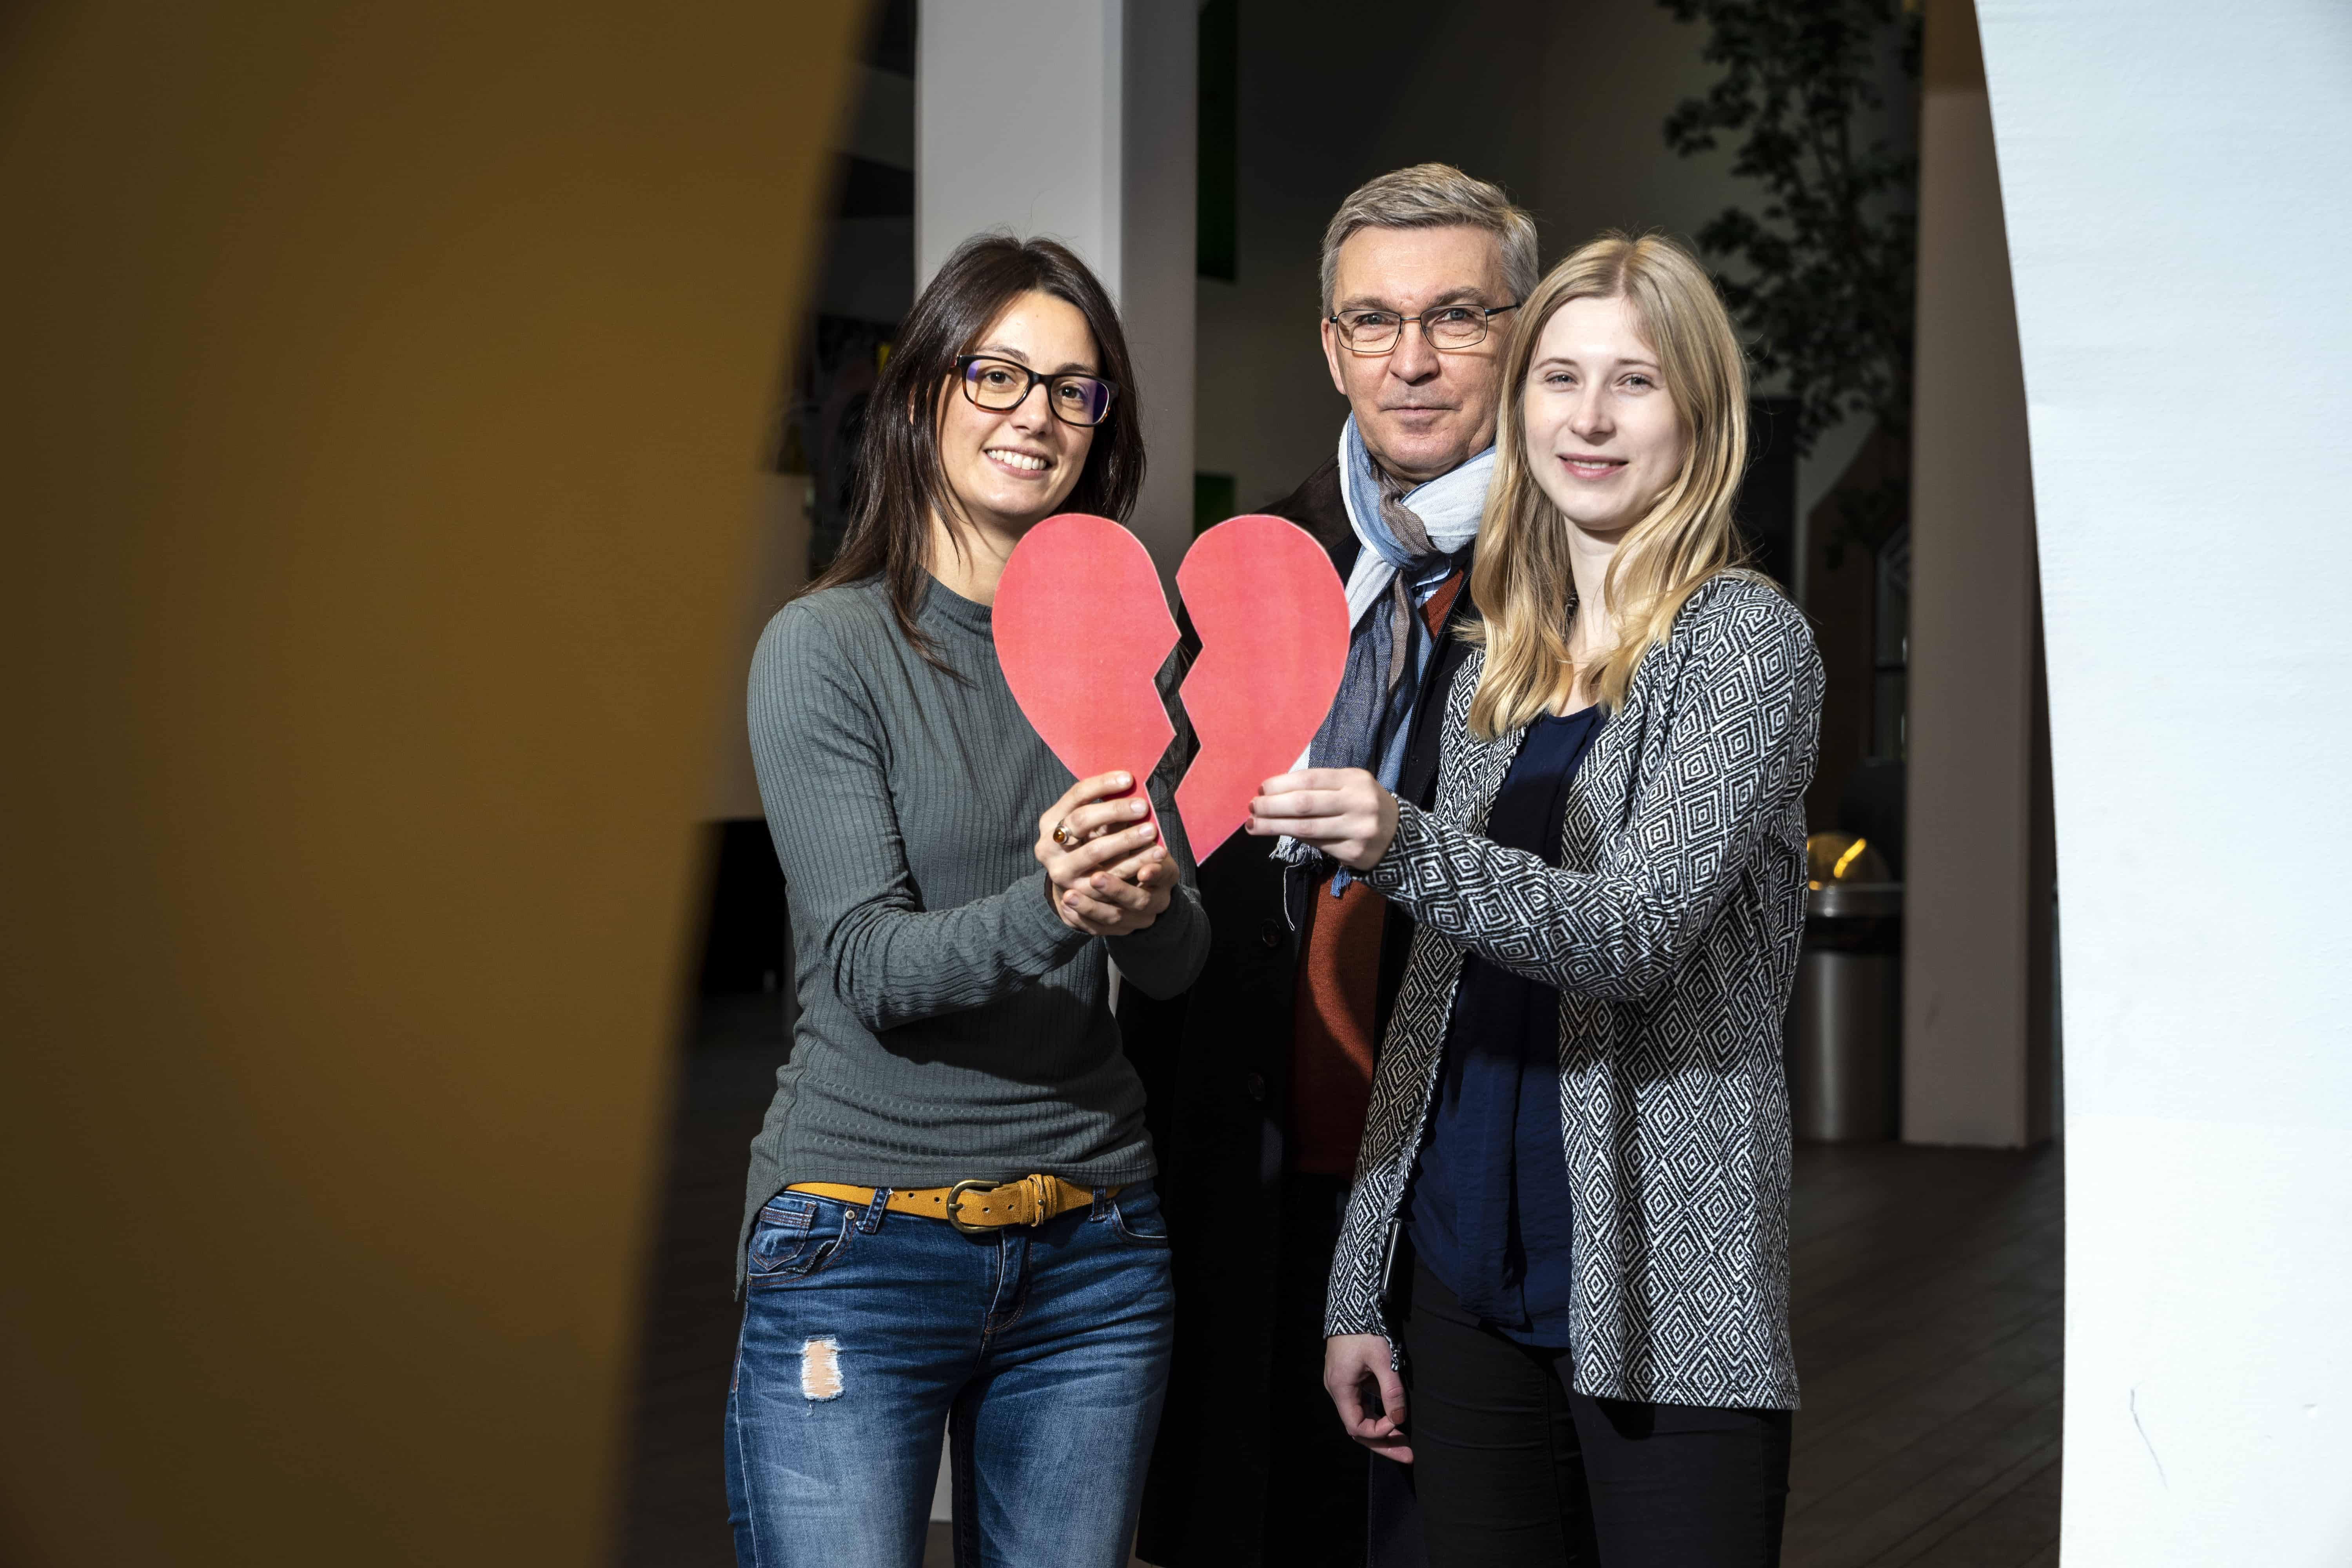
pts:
[793, 1236]
[1135, 1213]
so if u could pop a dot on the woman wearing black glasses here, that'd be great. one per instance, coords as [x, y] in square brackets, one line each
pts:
[950, 1220]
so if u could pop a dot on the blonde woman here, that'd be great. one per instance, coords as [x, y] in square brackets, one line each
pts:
[1579, 1122]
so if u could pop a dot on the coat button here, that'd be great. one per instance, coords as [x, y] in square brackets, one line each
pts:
[1270, 933]
[1256, 1084]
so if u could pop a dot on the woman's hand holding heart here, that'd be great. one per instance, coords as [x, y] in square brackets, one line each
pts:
[1110, 873]
[1343, 812]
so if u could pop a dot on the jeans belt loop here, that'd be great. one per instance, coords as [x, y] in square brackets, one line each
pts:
[872, 1219]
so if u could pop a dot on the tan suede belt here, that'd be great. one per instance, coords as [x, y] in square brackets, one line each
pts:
[972, 1208]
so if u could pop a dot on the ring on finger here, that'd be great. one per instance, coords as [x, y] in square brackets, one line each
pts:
[1063, 836]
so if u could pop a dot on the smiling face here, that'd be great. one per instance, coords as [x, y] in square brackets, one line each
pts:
[1012, 467]
[1603, 439]
[1421, 413]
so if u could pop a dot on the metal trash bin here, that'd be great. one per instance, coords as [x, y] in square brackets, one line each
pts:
[1843, 1044]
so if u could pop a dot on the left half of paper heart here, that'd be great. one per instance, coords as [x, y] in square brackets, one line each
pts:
[1082, 629]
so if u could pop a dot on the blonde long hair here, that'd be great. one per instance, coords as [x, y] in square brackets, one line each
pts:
[1520, 577]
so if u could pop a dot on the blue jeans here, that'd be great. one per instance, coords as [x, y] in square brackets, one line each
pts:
[866, 1333]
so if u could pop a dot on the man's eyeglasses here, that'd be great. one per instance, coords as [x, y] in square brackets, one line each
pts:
[1445, 326]
[1000, 384]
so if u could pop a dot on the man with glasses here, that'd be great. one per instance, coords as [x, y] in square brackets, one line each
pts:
[1258, 1078]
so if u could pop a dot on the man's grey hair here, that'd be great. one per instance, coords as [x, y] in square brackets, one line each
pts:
[1436, 195]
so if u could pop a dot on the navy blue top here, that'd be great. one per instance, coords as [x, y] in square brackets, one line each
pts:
[1490, 1208]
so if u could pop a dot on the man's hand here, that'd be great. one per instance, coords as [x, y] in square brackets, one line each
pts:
[1343, 812]
[1356, 1366]
[1111, 875]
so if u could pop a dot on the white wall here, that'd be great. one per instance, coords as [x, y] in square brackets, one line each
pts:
[1075, 120]
[1017, 120]
[2174, 176]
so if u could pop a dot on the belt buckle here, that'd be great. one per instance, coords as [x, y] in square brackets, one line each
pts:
[955, 1195]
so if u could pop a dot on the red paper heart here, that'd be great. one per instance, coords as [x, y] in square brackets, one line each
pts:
[1273, 622]
[1082, 630]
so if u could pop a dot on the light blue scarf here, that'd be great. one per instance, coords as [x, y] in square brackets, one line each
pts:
[1409, 538]
[1447, 510]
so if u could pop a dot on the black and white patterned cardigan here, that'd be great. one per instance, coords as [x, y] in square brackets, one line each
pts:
[1670, 929]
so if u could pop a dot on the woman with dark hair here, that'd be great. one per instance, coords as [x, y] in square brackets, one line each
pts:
[950, 1222]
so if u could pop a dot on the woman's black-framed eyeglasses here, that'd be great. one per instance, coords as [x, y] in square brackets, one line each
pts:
[997, 384]
[1446, 327]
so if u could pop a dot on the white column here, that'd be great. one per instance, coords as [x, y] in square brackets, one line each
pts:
[1968, 1032]
[1074, 120]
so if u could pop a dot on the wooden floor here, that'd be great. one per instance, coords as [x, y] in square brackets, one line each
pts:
[1926, 1311]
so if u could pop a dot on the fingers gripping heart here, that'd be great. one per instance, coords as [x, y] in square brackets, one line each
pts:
[1082, 630]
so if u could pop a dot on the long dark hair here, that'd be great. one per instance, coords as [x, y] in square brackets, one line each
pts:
[900, 481]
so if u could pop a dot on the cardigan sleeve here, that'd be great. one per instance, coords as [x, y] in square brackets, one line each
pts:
[1166, 956]
[1742, 714]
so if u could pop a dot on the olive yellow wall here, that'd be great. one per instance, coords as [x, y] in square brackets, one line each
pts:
[385, 388]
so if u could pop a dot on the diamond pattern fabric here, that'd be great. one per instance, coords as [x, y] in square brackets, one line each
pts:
[1670, 931]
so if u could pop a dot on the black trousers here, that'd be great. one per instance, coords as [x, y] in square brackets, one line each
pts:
[1315, 1506]
[1514, 1467]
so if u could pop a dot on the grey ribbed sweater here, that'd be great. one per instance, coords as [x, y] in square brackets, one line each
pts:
[951, 1026]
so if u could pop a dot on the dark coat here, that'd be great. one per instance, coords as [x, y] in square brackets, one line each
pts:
[1215, 1064]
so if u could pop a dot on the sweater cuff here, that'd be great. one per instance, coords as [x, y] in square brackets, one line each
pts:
[1044, 938]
